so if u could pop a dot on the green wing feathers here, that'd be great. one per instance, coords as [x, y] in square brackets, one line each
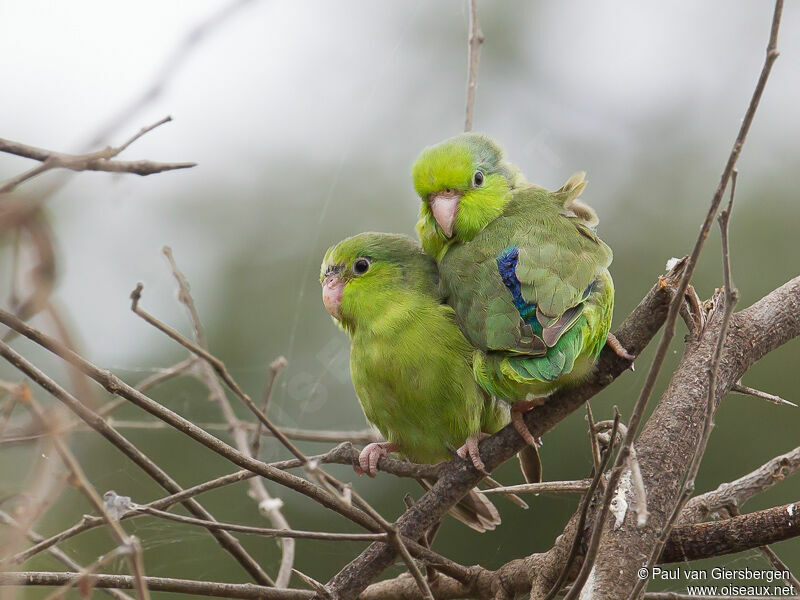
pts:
[511, 376]
[532, 291]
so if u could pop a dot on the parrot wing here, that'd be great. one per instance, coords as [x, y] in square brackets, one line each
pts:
[523, 282]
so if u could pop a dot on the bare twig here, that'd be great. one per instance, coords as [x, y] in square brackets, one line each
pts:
[275, 368]
[584, 511]
[130, 544]
[579, 486]
[748, 391]
[597, 529]
[266, 532]
[58, 554]
[473, 56]
[337, 489]
[89, 571]
[157, 584]
[90, 522]
[362, 436]
[730, 299]
[669, 326]
[595, 446]
[779, 565]
[218, 366]
[97, 423]
[267, 505]
[100, 160]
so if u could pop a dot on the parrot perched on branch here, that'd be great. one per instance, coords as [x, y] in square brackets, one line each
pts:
[410, 364]
[521, 266]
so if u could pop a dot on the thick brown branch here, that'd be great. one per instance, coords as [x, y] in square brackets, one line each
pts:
[737, 534]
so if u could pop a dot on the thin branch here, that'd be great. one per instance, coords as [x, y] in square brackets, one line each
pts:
[57, 554]
[473, 56]
[130, 544]
[748, 391]
[362, 436]
[157, 584]
[730, 299]
[218, 366]
[90, 522]
[275, 368]
[594, 444]
[266, 532]
[669, 325]
[97, 423]
[779, 565]
[267, 505]
[578, 486]
[102, 561]
[100, 160]
[394, 537]
[597, 529]
[584, 511]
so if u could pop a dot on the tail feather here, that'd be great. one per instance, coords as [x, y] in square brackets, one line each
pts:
[474, 510]
[530, 464]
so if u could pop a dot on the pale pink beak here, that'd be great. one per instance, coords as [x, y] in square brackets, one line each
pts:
[444, 206]
[332, 288]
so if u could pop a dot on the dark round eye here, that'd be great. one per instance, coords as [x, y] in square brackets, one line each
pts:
[361, 266]
[477, 179]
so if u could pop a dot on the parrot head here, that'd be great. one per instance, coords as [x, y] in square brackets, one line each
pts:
[369, 279]
[464, 184]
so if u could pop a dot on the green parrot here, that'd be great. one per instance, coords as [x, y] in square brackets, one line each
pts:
[521, 266]
[410, 364]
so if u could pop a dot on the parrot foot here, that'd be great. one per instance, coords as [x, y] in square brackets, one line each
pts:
[619, 349]
[371, 454]
[518, 409]
[470, 448]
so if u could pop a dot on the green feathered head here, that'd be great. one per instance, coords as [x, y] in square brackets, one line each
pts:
[464, 183]
[372, 280]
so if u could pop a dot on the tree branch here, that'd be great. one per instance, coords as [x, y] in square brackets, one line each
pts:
[737, 534]
[156, 584]
[737, 492]
[100, 160]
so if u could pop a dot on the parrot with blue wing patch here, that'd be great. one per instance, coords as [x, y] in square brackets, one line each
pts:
[522, 267]
[411, 367]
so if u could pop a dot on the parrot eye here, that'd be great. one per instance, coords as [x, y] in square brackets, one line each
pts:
[477, 179]
[361, 266]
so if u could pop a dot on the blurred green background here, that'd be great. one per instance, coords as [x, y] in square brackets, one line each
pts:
[304, 118]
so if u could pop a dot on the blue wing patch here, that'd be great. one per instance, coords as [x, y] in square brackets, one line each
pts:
[507, 266]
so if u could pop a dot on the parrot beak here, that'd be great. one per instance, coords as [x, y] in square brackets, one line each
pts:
[444, 206]
[332, 288]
